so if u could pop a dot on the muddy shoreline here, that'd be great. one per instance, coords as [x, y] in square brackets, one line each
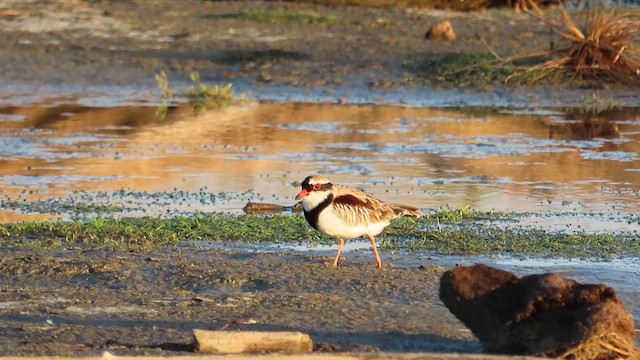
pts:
[85, 302]
[75, 302]
[107, 52]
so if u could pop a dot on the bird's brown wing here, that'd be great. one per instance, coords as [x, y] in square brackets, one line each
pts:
[405, 210]
[356, 207]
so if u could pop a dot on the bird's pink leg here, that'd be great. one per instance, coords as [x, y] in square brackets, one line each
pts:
[340, 245]
[375, 252]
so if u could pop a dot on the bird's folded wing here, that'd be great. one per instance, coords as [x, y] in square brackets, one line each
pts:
[356, 208]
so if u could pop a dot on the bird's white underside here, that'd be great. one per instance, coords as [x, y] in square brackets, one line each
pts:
[330, 222]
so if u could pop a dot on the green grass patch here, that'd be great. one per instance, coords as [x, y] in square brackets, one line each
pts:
[200, 96]
[449, 231]
[152, 232]
[205, 97]
[282, 17]
[483, 69]
[483, 239]
[461, 69]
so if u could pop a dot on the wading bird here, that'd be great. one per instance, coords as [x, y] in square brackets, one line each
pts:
[344, 212]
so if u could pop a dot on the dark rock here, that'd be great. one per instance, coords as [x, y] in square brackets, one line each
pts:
[442, 31]
[544, 315]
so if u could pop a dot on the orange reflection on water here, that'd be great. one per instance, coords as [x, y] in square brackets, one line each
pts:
[426, 157]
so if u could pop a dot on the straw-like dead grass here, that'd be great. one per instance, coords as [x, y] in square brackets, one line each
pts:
[606, 45]
[524, 5]
[457, 5]
[607, 346]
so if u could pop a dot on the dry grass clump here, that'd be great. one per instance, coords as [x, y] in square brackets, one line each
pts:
[607, 346]
[458, 5]
[526, 4]
[606, 44]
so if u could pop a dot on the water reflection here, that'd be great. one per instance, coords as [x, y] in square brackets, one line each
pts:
[487, 158]
[585, 125]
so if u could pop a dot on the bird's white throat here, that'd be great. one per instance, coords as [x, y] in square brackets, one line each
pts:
[314, 199]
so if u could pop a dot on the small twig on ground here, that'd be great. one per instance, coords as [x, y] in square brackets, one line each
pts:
[490, 49]
[237, 323]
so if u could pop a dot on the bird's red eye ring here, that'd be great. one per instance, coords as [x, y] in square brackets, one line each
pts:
[316, 187]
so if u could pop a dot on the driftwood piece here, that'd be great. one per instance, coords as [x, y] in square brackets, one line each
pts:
[544, 315]
[254, 208]
[206, 341]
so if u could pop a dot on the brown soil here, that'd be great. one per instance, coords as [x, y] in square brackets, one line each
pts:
[127, 42]
[86, 302]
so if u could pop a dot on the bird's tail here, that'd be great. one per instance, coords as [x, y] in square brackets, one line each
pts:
[405, 210]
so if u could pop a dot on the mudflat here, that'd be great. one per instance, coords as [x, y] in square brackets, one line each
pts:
[345, 51]
[67, 302]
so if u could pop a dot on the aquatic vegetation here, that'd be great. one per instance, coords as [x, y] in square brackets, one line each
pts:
[82, 205]
[163, 84]
[201, 96]
[152, 232]
[67, 206]
[483, 69]
[448, 231]
[453, 215]
[282, 16]
[470, 238]
[204, 97]
[166, 93]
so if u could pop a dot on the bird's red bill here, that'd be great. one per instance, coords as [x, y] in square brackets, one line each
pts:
[302, 194]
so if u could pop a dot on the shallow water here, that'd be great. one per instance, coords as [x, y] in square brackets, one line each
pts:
[577, 171]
